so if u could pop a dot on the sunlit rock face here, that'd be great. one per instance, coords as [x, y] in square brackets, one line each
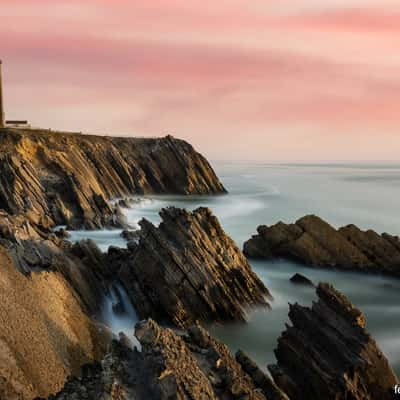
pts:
[45, 334]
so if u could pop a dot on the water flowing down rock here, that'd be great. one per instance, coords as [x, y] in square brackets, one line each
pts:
[187, 269]
[55, 178]
[314, 242]
[328, 354]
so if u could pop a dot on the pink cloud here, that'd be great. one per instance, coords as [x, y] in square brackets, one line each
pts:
[232, 69]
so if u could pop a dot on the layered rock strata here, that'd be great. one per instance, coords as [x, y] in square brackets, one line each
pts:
[314, 242]
[187, 269]
[328, 354]
[55, 178]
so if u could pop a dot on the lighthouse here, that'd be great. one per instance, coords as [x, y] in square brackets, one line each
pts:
[2, 115]
[3, 122]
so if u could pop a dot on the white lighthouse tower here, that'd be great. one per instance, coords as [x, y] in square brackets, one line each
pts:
[2, 115]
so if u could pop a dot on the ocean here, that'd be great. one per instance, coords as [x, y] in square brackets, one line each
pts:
[363, 194]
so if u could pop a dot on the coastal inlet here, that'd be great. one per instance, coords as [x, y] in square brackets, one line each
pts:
[359, 194]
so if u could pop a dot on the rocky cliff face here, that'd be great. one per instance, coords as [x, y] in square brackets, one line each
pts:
[328, 354]
[67, 179]
[314, 242]
[187, 269]
[45, 333]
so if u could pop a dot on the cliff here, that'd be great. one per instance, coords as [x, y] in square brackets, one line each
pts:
[187, 269]
[45, 333]
[314, 242]
[55, 178]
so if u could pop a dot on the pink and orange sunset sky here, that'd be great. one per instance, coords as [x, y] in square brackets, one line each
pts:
[286, 80]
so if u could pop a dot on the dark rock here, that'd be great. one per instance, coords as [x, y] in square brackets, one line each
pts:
[301, 280]
[56, 178]
[62, 233]
[125, 203]
[314, 242]
[130, 235]
[188, 269]
[328, 354]
[262, 380]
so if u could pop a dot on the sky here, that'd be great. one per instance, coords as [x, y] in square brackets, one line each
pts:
[260, 80]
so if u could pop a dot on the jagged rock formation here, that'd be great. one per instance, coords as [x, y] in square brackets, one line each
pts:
[328, 354]
[187, 269]
[45, 333]
[67, 179]
[185, 366]
[314, 242]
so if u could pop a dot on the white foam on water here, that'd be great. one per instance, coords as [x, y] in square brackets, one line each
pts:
[103, 238]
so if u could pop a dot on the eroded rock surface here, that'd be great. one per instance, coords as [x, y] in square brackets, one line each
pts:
[316, 243]
[55, 178]
[328, 354]
[187, 269]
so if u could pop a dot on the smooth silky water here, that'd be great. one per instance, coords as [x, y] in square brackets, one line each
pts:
[366, 195]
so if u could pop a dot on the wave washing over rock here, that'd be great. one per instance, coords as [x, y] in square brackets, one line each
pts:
[67, 179]
[314, 242]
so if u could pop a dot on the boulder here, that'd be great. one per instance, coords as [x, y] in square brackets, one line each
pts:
[188, 269]
[130, 235]
[314, 242]
[299, 279]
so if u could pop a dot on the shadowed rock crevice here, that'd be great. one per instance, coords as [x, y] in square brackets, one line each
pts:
[314, 242]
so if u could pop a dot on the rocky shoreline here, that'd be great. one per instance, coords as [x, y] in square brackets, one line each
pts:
[178, 275]
[326, 354]
[315, 243]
